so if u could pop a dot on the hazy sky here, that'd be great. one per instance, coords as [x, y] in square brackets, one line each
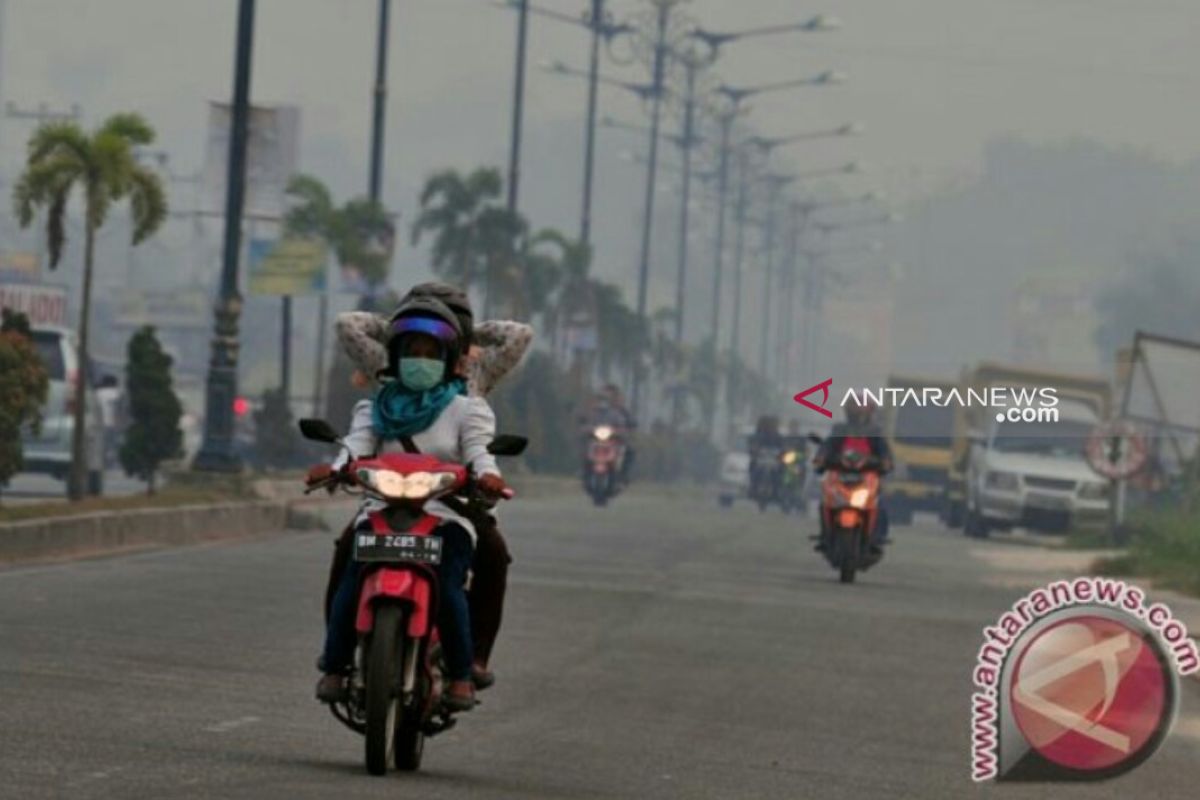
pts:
[932, 81]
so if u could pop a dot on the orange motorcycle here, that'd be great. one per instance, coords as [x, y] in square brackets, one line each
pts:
[850, 492]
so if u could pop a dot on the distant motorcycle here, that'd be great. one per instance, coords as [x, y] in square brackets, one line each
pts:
[395, 688]
[602, 469]
[850, 512]
[792, 479]
[766, 476]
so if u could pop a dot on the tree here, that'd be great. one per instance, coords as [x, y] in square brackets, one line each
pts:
[153, 435]
[274, 431]
[360, 232]
[25, 383]
[61, 157]
[476, 238]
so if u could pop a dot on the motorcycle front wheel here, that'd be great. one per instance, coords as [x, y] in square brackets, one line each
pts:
[384, 709]
[848, 543]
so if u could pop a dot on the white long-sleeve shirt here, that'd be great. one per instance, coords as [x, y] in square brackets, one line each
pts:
[460, 435]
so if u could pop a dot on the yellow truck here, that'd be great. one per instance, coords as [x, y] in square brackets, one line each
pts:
[1026, 472]
[922, 443]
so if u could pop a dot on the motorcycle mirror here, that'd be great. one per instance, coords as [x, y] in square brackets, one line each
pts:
[507, 445]
[812, 437]
[318, 430]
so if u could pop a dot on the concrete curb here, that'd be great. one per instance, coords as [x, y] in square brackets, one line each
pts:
[109, 532]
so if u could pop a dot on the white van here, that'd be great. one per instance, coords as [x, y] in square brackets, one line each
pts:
[49, 451]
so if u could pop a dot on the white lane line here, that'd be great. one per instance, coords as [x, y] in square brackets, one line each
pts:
[231, 724]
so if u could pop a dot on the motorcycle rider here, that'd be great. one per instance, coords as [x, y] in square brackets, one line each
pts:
[765, 443]
[858, 433]
[608, 408]
[493, 348]
[423, 405]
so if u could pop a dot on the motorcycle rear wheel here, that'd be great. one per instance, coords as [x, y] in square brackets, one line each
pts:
[384, 710]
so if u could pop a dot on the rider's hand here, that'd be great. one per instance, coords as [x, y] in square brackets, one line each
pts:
[319, 474]
[492, 485]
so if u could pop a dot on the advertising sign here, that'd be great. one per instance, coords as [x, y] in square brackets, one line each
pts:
[188, 307]
[290, 266]
[44, 304]
[272, 152]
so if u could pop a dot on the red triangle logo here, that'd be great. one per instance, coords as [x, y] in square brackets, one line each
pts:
[823, 387]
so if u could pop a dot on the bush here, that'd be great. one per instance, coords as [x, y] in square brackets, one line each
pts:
[25, 385]
[153, 435]
[276, 437]
[1165, 546]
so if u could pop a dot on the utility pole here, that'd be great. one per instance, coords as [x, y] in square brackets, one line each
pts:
[733, 387]
[379, 106]
[518, 109]
[589, 141]
[217, 453]
[774, 188]
[660, 51]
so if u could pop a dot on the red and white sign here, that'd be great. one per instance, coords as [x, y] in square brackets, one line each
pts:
[43, 304]
[1116, 449]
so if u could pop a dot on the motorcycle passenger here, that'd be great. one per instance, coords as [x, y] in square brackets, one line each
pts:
[765, 445]
[493, 349]
[421, 404]
[858, 433]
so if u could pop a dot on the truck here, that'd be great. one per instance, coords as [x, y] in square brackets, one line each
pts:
[1031, 473]
[922, 443]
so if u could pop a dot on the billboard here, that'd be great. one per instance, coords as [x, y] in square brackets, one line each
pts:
[272, 152]
[184, 307]
[18, 266]
[44, 304]
[288, 266]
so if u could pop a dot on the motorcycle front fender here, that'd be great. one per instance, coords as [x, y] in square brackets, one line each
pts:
[400, 584]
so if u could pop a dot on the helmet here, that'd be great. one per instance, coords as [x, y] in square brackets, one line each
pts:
[453, 298]
[428, 316]
[860, 413]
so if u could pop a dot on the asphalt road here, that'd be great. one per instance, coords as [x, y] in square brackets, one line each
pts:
[655, 649]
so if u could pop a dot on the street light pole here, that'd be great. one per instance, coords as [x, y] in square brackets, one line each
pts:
[380, 101]
[589, 143]
[217, 453]
[733, 386]
[518, 109]
[774, 189]
[660, 47]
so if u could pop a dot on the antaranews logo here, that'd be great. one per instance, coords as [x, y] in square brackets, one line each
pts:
[1011, 403]
[1078, 681]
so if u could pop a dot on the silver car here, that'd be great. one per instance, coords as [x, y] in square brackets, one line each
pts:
[49, 451]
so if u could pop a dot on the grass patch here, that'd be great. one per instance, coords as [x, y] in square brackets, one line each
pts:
[182, 489]
[1165, 547]
[1088, 539]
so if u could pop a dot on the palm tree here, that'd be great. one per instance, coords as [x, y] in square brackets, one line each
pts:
[574, 299]
[359, 232]
[62, 156]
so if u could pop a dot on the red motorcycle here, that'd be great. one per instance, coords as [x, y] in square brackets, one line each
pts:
[395, 687]
[605, 456]
[850, 511]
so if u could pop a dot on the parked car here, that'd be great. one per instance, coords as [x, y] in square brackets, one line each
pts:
[49, 451]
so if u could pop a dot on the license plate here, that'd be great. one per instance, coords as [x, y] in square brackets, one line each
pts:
[398, 547]
[1049, 501]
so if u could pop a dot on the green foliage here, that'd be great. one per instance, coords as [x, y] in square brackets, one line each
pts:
[25, 385]
[536, 401]
[360, 232]
[153, 435]
[1165, 547]
[275, 435]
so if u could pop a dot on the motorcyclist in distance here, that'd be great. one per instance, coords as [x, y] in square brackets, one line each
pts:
[860, 433]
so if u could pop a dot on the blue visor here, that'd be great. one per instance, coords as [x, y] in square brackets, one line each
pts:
[442, 331]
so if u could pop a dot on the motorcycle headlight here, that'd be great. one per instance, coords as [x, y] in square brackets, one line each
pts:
[1004, 481]
[603, 433]
[1093, 490]
[859, 497]
[395, 486]
[790, 457]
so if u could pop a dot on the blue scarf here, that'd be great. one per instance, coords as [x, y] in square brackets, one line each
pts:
[398, 411]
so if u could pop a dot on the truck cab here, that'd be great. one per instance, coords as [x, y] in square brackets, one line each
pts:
[921, 439]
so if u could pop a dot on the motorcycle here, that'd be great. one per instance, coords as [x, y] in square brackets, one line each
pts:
[602, 471]
[766, 468]
[850, 512]
[792, 479]
[395, 686]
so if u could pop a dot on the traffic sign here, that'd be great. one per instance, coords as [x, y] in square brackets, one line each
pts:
[1116, 449]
